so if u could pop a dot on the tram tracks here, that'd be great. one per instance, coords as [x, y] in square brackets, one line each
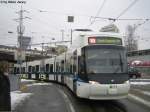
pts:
[84, 105]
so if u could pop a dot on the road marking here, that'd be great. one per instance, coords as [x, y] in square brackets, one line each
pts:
[67, 100]
[147, 103]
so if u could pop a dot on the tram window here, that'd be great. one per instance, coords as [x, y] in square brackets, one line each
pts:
[29, 68]
[75, 62]
[62, 66]
[140, 53]
[74, 68]
[51, 68]
[71, 69]
[81, 64]
[10, 70]
[15, 70]
[147, 52]
[57, 67]
[129, 54]
[81, 68]
[37, 68]
[33, 69]
[23, 69]
[67, 66]
[47, 68]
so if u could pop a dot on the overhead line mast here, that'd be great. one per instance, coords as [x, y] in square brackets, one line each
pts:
[21, 27]
[20, 30]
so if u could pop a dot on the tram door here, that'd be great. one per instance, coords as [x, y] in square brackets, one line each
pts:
[62, 71]
[56, 71]
[75, 67]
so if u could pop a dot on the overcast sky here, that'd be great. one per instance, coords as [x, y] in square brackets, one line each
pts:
[43, 26]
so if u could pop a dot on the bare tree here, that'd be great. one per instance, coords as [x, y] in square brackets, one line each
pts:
[130, 39]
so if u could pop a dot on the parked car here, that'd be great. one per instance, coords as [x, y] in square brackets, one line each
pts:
[133, 73]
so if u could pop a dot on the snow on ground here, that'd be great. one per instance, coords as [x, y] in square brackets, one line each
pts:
[17, 97]
[36, 84]
[138, 79]
[27, 80]
[146, 93]
[139, 83]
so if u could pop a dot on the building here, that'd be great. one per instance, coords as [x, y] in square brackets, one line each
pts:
[140, 59]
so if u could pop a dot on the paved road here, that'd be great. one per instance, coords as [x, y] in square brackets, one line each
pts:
[45, 98]
[124, 105]
[57, 98]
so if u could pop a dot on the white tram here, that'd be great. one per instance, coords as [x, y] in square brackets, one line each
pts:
[94, 67]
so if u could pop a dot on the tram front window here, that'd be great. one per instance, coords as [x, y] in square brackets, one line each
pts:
[100, 59]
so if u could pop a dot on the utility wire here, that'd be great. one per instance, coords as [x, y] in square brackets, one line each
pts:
[123, 19]
[138, 25]
[104, 18]
[125, 10]
[35, 44]
[47, 24]
[99, 11]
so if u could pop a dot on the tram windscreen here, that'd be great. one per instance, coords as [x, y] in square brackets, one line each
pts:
[106, 59]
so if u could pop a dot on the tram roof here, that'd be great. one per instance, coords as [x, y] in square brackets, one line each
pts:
[99, 33]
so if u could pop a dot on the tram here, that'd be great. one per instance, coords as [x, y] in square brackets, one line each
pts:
[94, 67]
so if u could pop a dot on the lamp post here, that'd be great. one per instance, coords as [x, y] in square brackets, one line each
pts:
[62, 34]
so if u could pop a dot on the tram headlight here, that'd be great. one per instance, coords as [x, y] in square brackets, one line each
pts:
[93, 82]
[127, 82]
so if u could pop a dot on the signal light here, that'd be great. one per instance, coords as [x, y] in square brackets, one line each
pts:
[92, 40]
[93, 82]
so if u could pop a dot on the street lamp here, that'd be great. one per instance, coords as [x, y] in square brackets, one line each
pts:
[62, 34]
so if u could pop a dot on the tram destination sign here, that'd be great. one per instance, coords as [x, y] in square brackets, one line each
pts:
[105, 40]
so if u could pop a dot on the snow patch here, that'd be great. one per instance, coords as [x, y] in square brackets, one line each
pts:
[17, 97]
[139, 79]
[27, 80]
[146, 93]
[37, 84]
[139, 83]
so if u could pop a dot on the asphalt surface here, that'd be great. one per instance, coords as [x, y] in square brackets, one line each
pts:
[57, 98]
[123, 105]
[45, 98]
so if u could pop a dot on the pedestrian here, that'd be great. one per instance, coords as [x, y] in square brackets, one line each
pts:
[5, 99]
